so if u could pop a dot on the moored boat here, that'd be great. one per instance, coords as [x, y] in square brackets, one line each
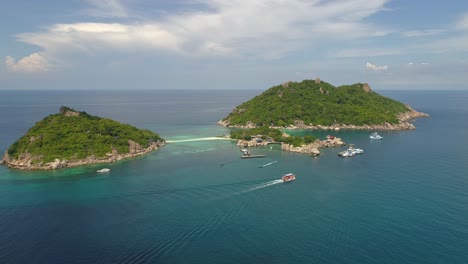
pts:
[350, 152]
[245, 151]
[375, 135]
[288, 177]
[358, 151]
[103, 170]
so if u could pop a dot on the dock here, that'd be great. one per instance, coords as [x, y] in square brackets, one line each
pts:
[247, 155]
[252, 156]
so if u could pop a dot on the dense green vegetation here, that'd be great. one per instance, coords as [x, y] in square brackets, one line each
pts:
[76, 137]
[318, 104]
[273, 133]
[266, 132]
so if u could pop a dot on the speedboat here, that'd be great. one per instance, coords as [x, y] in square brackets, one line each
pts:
[288, 177]
[375, 135]
[103, 170]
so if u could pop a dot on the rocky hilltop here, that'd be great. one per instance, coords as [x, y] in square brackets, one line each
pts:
[71, 138]
[315, 104]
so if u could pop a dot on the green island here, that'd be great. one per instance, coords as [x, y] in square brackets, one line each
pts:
[71, 138]
[315, 104]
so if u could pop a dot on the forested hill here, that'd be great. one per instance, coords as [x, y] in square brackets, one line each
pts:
[71, 135]
[319, 103]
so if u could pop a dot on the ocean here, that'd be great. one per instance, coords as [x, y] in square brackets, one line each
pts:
[405, 200]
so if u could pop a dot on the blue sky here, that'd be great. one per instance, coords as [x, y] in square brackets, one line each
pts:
[236, 44]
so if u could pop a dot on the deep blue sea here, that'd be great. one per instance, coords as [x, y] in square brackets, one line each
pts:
[405, 200]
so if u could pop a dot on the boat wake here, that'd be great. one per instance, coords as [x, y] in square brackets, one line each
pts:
[263, 185]
[267, 164]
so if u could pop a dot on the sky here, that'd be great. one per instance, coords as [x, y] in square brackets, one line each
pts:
[232, 44]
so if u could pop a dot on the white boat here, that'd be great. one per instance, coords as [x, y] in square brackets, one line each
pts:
[358, 151]
[375, 135]
[245, 152]
[103, 170]
[351, 152]
[348, 153]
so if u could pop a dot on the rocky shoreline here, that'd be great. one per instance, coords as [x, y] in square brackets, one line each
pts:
[403, 124]
[314, 148]
[311, 149]
[24, 162]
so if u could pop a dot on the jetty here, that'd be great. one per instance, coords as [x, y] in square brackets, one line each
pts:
[252, 156]
[247, 155]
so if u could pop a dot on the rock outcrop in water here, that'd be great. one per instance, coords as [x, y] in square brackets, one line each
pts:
[311, 148]
[314, 148]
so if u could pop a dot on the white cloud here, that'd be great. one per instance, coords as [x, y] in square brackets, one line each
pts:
[454, 42]
[101, 36]
[458, 43]
[443, 75]
[106, 8]
[261, 28]
[214, 49]
[373, 67]
[29, 64]
[421, 63]
[422, 33]
[370, 52]
[463, 23]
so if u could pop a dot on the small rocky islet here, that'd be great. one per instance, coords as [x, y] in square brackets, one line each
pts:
[300, 145]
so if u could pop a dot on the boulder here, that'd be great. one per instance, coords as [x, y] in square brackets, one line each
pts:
[33, 138]
[6, 158]
[299, 124]
[134, 147]
[315, 152]
[366, 88]
[57, 164]
[68, 112]
[224, 123]
[114, 152]
[250, 124]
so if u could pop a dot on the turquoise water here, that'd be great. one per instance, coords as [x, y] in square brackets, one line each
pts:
[403, 201]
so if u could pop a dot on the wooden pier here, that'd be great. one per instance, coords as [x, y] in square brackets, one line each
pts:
[252, 156]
